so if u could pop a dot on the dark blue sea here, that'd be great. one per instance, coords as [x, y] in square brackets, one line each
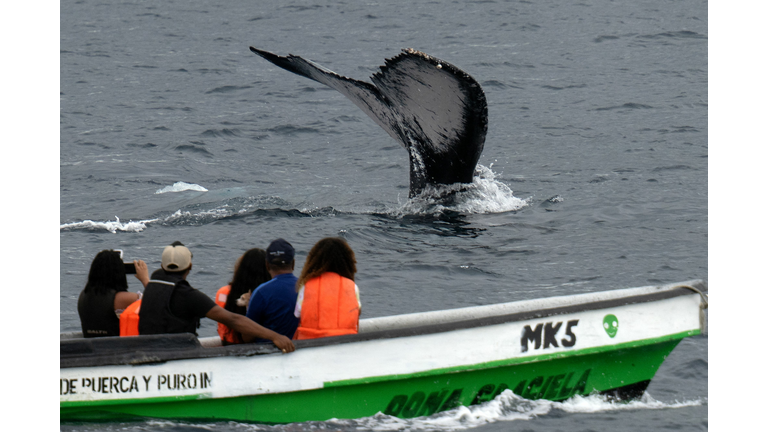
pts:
[594, 174]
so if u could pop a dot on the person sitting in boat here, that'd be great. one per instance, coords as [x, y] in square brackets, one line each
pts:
[329, 301]
[250, 272]
[272, 303]
[171, 305]
[106, 294]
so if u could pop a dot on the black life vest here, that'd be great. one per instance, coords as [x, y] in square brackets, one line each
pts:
[155, 316]
[97, 314]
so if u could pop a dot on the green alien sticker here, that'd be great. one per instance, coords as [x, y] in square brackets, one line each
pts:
[611, 325]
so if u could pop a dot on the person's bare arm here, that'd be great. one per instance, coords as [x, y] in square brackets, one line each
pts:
[142, 273]
[250, 330]
[123, 299]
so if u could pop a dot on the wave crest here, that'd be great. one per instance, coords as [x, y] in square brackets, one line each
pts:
[181, 187]
[111, 226]
[202, 214]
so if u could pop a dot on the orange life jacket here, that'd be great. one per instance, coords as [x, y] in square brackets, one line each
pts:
[226, 334]
[329, 308]
[129, 319]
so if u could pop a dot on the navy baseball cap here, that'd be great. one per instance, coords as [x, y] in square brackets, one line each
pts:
[280, 252]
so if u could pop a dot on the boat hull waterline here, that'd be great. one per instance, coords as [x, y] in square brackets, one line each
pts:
[613, 346]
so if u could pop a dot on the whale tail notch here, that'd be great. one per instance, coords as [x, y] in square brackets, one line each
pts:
[436, 111]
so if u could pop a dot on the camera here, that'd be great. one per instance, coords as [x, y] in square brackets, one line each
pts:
[130, 268]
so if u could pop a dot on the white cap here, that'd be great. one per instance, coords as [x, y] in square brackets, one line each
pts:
[176, 258]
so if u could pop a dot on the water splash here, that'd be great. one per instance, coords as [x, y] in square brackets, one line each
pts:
[111, 226]
[596, 403]
[484, 195]
[181, 187]
[506, 407]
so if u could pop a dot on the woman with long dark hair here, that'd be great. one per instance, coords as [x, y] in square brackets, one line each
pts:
[329, 300]
[250, 272]
[106, 294]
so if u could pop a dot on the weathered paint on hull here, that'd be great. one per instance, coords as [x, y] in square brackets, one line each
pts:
[553, 377]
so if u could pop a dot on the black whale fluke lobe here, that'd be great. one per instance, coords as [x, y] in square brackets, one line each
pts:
[432, 108]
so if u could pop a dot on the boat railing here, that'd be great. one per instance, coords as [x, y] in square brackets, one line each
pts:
[474, 312]
[386, 324]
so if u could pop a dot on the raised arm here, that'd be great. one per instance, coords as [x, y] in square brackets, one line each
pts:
[142, 272]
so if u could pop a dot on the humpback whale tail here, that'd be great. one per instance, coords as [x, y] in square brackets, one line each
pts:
[434, 109]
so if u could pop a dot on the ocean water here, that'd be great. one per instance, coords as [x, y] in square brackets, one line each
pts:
[593, 177]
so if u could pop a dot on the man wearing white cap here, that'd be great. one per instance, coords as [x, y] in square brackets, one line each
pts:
[171, 305]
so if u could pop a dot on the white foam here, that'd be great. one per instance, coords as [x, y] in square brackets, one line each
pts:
[484, 195]
[181, 187]
[591, 404]
[179, 217]
[185, 217]
[507, 407]
[504, 408]
[111, 226]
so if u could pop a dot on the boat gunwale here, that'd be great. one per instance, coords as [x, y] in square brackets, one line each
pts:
[397, 377]
[190, 348]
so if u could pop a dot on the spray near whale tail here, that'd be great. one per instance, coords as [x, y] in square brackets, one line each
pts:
[436, 111]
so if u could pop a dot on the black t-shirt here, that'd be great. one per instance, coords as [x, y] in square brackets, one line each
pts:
[188, 303]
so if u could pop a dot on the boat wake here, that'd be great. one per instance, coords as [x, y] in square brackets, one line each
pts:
[505, 407]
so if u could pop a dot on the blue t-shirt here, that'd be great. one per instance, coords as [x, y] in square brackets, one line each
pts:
[272, 305]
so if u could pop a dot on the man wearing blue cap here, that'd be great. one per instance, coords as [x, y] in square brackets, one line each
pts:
[272, 303]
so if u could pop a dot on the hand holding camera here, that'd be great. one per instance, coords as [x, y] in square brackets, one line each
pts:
[138, 268]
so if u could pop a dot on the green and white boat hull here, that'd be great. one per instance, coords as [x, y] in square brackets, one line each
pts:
[546, 348]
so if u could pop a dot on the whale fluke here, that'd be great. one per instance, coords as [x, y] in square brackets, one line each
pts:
[434, 109]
